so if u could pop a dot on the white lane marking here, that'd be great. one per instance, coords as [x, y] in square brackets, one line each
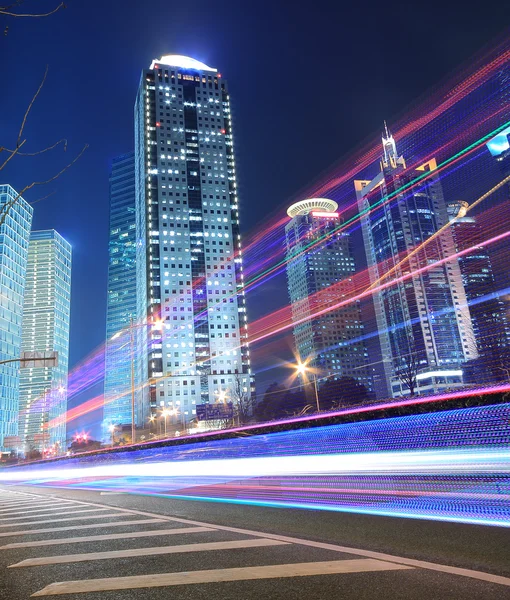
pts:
[74, 527]
[101, 516]
[43, 507]
[55, 514]
[137, 552]
[111, 493]
[218, 575]
[336, 548]
[29, 503]
[111, 536]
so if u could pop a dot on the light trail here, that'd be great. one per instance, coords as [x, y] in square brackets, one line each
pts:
[452, 465]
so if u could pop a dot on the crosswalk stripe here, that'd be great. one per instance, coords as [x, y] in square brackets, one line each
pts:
[74, 527]
[12, 505]
[111, 536]
[50, 514]
[42, 507]
[101, 516]
[136, 552]
[358, 565]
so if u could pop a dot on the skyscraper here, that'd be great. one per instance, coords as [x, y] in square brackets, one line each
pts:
[487, 308]
[121, 303]
[15, 223]
[46, 314]
[319, 269]
[423, 321]
[191, 312]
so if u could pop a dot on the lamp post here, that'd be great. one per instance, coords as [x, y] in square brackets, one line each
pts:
[302, 370]
[111, 429]
[165, 414]
[158, 326]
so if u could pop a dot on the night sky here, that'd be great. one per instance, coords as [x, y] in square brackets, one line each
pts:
[307, 86]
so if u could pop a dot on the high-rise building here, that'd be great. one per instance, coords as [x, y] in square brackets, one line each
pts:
[15, 224]
[121, 302]
[46, 314]
[191, 312]
[487, 308]
[423, 321]
[320, 267]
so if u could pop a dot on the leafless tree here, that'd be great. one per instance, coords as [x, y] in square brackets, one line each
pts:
[409, 371]
[17, 149]
[241, 398]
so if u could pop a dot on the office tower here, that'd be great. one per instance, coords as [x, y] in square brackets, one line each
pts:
[15, 223]
[121, 302]
[46, 313]
[191, 312]
[488, 310]
[319, 271]
[423, 321]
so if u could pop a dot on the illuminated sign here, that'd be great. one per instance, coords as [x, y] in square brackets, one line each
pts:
[329, 215]
[499, 143]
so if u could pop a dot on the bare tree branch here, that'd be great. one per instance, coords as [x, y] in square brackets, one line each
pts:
[4, 211]
[12, 155]
[4, 10]
[62, 141]
[29, 108]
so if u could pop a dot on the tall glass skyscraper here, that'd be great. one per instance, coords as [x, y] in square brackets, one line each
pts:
[46, 314]
[191, 312]
[121, 307]
[320, 266]
[486, 305]
[423, 321]
[15, 224]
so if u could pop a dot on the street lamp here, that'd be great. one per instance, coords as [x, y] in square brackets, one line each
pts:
[302, 370]
[157, 326]
[111, 429]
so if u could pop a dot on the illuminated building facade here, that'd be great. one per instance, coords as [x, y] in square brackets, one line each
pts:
[121, 303]
[487, 308]
[46, 313]
[319, 269]
[191, 312]
[423, 321]
[16, 221]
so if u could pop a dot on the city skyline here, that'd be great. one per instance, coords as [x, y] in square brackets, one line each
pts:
[268, 296]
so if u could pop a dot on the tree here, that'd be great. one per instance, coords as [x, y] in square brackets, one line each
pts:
[33, 454]
[18, 147]
[408, 371]
[272, 402]
[345, 391]
[242, 400]
[85, 445]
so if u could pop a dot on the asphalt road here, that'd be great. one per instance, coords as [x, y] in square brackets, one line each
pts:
[81, 544]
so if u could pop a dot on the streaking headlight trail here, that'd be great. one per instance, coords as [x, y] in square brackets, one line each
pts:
[452, 465]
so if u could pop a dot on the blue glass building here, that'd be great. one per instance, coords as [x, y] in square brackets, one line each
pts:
[121, 307]
[15, 224]
[423, 322]
[46, 314]
[320, 266]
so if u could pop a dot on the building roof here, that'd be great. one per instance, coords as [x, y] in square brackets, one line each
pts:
[181, 62]
[303, 207]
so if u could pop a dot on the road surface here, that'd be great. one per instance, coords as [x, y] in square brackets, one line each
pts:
[91, 545]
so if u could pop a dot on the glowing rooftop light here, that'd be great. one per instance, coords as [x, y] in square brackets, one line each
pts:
[303, 207]
[181, 62]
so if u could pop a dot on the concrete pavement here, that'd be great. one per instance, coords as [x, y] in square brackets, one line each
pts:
[120, 546]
